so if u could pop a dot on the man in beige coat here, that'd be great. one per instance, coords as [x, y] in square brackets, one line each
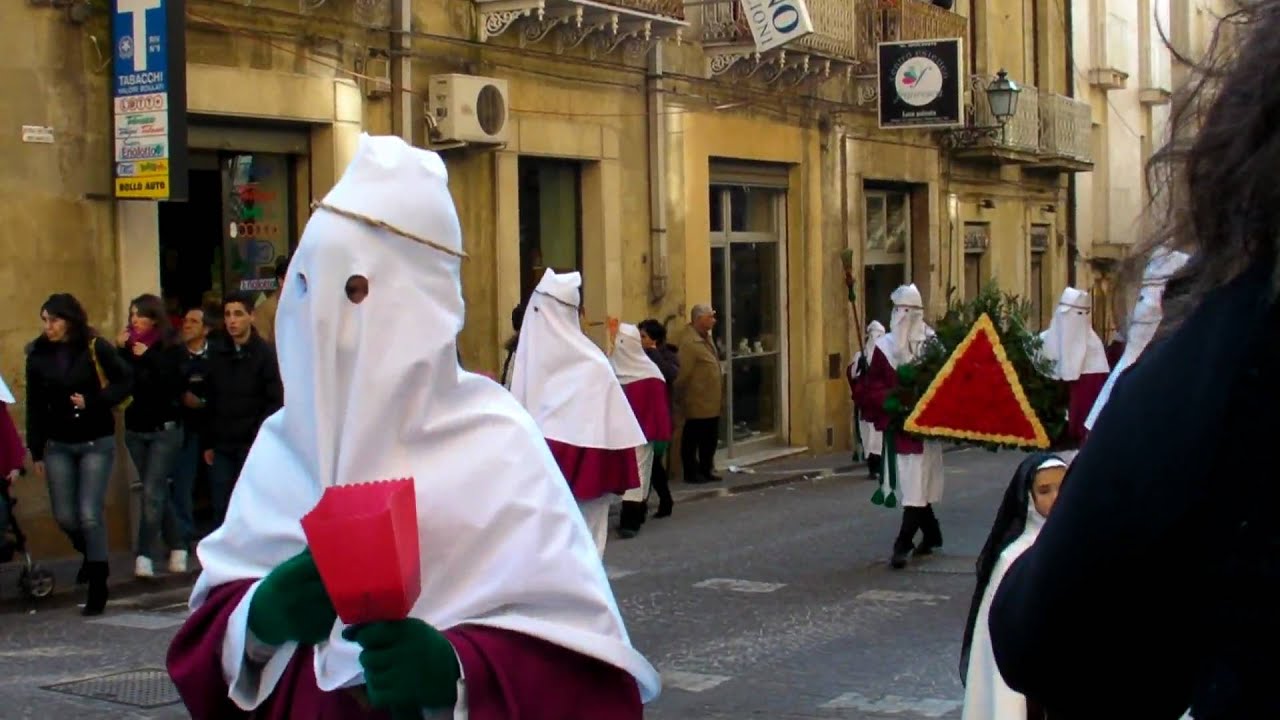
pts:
[699, 393]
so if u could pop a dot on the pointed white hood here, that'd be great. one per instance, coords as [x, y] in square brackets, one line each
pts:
[374, 391]
[907, 329]
[1070, 342]
[565, 381]
[630, 362]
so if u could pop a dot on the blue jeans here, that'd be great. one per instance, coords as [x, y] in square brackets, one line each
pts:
[154, 455]
[222, 479]
[180, 521]
[78, 475]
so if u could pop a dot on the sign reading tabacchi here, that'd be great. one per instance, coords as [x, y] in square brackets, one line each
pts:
[776, 22]
[149, 99]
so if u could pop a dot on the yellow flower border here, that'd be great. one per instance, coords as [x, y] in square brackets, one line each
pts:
[983, 325]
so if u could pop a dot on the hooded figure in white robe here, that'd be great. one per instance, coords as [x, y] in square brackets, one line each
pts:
[646, 389]
[917, 463]
[871, 438]
[1016, 526]
[509, 572]
[569, 387]
[1078, 357]
[1143, 321]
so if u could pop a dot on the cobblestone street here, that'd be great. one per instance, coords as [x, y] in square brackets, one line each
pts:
[774, 603]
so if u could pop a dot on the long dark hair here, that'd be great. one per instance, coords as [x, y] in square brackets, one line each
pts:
[69, 309]
[1011, 520]
[1214, 187]
[152, 307]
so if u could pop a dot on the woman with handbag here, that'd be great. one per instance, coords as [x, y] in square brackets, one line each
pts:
[75, 380]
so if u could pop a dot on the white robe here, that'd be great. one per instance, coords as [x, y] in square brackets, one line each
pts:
[872, 439]
[987, 696]
[920, 476]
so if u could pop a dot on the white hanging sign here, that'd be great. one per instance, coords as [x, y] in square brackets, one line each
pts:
[775, 23]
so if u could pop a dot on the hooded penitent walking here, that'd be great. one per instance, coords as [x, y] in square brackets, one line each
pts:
[646, 389]
[515, 610]
[1143, 321]
[871, 440]
[1079, 359]
[1026, 505]
[918, 463]
[568, 386]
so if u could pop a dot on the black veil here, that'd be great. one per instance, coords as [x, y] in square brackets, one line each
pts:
[1011, 520]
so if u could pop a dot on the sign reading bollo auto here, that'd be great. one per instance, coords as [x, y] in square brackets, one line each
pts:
[149, 99]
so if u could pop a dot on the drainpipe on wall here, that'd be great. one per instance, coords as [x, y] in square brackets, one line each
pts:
[1073, 252]
[401, 70]
[658, 272]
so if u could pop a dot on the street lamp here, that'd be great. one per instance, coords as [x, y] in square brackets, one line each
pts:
[1002, 99]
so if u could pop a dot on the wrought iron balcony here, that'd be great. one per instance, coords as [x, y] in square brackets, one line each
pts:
[1066, 133]
[630, 25]
[899, 20]
[1017, 141]
[727, 42]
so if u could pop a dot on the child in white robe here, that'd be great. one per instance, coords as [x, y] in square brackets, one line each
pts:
[1022, 513]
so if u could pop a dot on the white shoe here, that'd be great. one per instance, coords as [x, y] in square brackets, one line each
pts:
[177, 561]
[142, 568]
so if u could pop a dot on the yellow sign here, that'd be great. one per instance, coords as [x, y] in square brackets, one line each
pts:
[150, 188]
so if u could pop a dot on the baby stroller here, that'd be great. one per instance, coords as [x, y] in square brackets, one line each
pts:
[34, 580]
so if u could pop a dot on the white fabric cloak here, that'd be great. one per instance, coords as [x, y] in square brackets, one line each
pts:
[565, 381]
[1143, 321]
[6, 395]
[986, 695]
[872, 439]
[1070, 342]
[920, 476]
[503, 543]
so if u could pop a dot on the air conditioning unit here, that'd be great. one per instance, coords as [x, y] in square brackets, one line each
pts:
[467, 109]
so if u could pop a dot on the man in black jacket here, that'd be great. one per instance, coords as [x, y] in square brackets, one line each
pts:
[243, 390]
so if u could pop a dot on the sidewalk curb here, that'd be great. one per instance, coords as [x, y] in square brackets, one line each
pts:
[70, 597]
[756, 485]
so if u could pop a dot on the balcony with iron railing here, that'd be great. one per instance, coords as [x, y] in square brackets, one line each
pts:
[1017, 140]
[903, 20]
[602, 26]
[1066, 132]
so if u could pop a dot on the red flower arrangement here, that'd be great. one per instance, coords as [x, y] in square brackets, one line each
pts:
[977, 397]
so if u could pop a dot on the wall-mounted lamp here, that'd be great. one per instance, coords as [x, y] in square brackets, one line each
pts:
[1002, 98]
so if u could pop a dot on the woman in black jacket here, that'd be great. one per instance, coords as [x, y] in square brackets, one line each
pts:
[1155, 584]
[74, 380]
[152, 432]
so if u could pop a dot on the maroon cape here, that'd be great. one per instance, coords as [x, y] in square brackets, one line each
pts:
[13, 455]
[1082, 394]
[595, 472]
[508, 676]
[651, 406]
[870, 392]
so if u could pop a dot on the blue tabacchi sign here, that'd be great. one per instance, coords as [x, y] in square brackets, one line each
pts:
[149, 98]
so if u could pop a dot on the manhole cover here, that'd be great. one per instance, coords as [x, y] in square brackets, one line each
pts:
[943, 565]
[145, 688]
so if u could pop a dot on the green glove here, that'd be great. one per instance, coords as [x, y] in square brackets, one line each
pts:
[892, 405]
[408, 665]
[291, 604]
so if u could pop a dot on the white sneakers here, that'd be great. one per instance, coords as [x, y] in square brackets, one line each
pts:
[143, 568]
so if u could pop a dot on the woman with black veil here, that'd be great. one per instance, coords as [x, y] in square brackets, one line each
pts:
[1023, 511]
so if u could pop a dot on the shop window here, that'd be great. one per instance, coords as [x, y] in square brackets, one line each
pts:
[234, 227]
[550, 219]
[746, 276]
[886, 250]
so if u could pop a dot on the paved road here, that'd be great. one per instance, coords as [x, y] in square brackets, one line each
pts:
[769, 604]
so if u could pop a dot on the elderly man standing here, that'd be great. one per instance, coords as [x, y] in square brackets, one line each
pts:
[699, 392]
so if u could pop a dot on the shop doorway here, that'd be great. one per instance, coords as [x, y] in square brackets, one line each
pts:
[237, 223]
[886, 255]
[746, 289]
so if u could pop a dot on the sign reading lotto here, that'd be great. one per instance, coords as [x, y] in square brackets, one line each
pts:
[921, 84]
[149, 98]
[776, 22]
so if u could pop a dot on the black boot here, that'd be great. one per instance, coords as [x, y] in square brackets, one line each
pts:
[932, 532]
[77, 542]
[96, 602]
[902, 547]
[629, 519]
[661, 485]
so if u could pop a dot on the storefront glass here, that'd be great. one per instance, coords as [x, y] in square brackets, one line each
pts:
[885, 259]
[256, 210]
[745, 280]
